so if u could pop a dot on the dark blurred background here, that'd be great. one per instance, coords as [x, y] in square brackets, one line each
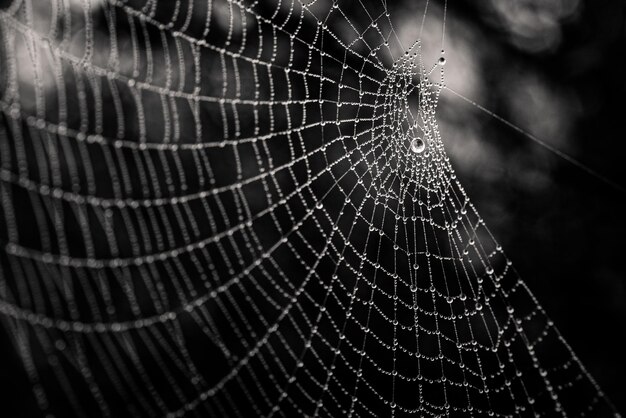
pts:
[556, 69]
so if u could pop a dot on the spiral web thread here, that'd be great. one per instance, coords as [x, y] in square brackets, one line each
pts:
[213, 208]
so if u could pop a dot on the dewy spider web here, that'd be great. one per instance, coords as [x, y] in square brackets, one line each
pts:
[244, 208]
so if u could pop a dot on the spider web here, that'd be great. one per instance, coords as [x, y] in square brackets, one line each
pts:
[244, 208]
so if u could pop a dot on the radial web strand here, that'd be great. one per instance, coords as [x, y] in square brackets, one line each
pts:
[238, 208]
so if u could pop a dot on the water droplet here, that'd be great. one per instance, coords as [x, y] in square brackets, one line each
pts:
[418, 145]
[442, 61]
